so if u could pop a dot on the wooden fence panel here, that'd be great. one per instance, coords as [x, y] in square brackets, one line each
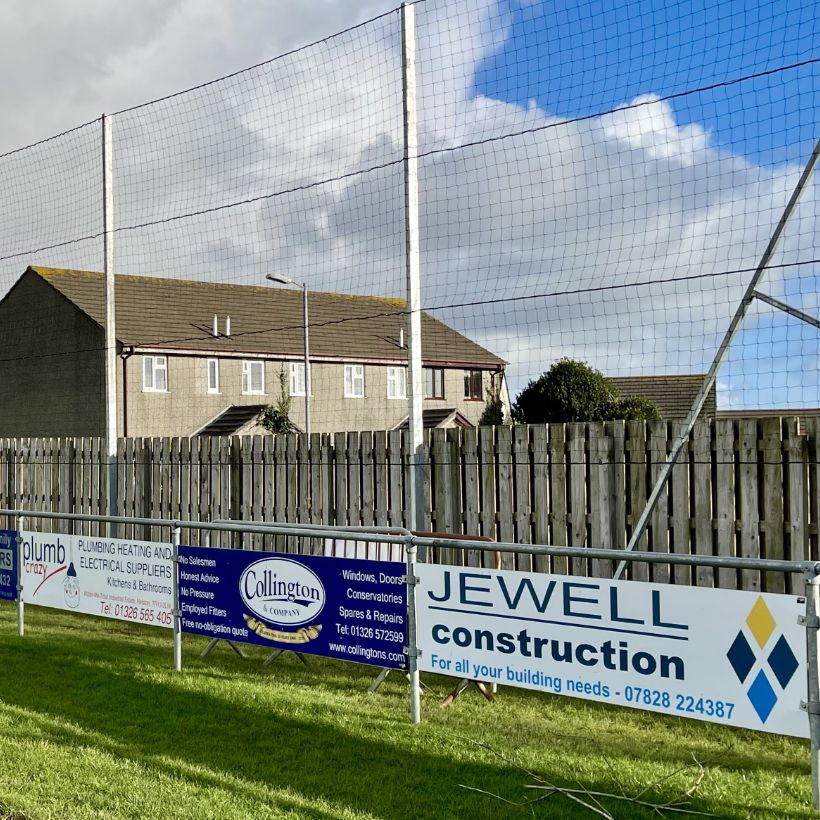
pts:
[796, 490]
[725, 497]
[681, 526]
[472, 496]
[637, 471]
[540, 496]
[578, 493]
[504, 492]
[600, 496]
[702, 500]
[486, 448]
[748, 501]
[522, 492]
[741, 487]
[558, 471]
[773, 502]
[658, 445]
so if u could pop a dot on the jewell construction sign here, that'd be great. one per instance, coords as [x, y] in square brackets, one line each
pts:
[724, 656]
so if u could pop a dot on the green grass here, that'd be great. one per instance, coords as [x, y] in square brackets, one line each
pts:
[95, 723]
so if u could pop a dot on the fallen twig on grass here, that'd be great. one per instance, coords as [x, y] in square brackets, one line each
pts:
[591, 800]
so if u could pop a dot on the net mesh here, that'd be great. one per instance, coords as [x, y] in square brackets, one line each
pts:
[595, 186]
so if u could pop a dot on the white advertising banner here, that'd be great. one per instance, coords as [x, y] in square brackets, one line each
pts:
[725, 656]
[111, 577]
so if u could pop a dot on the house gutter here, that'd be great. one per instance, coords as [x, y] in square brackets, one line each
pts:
[298, 357]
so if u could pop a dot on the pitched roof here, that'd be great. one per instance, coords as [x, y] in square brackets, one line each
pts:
[674, 394]
[177, 314]
[438, 417]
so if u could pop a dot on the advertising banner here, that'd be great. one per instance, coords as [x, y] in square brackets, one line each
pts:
[731, 657]
[8, 565]
[350, 609]
[112, 577]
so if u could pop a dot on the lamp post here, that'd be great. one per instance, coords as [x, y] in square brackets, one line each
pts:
[285, 280]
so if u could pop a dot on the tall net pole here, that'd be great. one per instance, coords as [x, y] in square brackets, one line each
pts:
[413, 264]
[110, 321]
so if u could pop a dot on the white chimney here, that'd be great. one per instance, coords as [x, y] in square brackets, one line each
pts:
[216, 326]
[401, 337]
[227, 325]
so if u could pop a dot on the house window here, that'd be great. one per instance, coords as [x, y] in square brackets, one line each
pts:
[297, 379]
[253, 378]
[472, 384]
[213, 375]
[354, 381]
[433, 382]
[396, 383]
[155, 374]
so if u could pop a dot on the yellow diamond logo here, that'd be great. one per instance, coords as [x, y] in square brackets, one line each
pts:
[761, 622]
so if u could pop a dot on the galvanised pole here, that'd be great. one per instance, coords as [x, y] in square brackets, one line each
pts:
[175, 613]
[110, 322]
[413, 267]
[812, 706]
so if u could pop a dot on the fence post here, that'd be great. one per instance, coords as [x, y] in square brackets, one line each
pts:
[812, 707]
[21, 625]
[412, 638]
[177, 624]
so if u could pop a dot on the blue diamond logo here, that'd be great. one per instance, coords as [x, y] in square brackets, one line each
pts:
[783, 662]
[762, 696]
[741, 657]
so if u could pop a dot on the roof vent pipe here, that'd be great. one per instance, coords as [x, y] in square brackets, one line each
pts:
[216, 326]
[227, 325]
[401, 337]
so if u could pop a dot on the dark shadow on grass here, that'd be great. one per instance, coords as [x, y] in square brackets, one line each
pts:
[254, 744]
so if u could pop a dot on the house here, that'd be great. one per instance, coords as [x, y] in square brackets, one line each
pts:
[674, 395]
[203, 358]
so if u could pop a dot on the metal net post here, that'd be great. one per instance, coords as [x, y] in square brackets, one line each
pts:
[412, 638]
[175, 614]
[21, 624]
[812, 706]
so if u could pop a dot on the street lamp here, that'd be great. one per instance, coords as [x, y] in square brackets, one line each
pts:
[285, 280]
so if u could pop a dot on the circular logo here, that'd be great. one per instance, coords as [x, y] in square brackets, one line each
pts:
[282, 591]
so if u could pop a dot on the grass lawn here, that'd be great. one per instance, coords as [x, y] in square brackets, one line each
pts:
[95, 723]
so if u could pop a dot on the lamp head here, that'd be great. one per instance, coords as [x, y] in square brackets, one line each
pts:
[278, 277]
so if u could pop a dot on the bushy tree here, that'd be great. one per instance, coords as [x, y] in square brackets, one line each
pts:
[573, 391]
[275, 418]
[493, 414]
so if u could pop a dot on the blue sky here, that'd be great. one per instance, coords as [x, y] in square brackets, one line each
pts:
[579, 59]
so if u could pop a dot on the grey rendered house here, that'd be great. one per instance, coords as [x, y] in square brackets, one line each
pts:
[203, 358]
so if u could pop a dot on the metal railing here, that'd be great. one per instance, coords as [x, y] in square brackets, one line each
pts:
[810, 570]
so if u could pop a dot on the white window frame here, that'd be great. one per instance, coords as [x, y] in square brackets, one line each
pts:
[152, 366]
[396, 382]
[248, 366]
[213, 387]
[354, 377]
[297, 379]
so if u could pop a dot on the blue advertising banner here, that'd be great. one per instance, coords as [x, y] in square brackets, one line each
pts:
[348, 609]
[8, 565]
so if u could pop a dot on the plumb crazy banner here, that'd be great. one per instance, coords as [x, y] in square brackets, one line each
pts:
[353, 610]
[725, 656]
[112, 577]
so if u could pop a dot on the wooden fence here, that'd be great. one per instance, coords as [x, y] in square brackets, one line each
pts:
[744, 487]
